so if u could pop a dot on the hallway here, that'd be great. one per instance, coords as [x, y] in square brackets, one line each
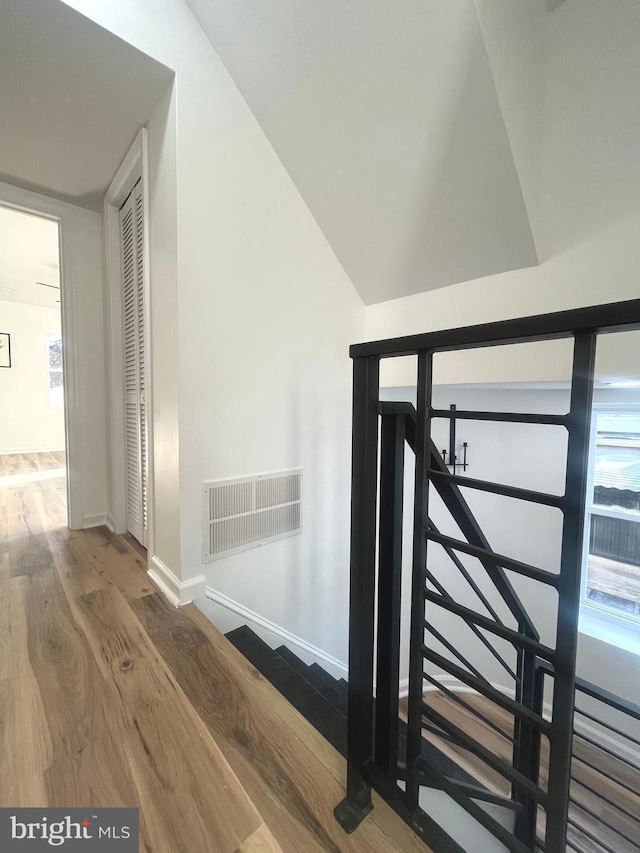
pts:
[110, 697]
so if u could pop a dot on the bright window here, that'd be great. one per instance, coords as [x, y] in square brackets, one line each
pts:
[54, 369]
[611, 568]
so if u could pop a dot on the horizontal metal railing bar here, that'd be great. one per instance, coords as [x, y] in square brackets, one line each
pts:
[528, 495]
[510, 705]
[436, 731]
[498, 764]
[397, 407]
[603, 319]
[499, 559]
[429, 576]
[460, 566]
[600, 819]
[477, 812]
[609, 802]
[455, 697]
[606, 750]
[488, 624]
[591, 836]
[505, 417]
[607, 726]
[623, 705]
[476, 792]
[464, 519]
[450, 647]
[608, 776]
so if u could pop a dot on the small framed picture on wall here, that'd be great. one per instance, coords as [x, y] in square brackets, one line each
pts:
[5, 349]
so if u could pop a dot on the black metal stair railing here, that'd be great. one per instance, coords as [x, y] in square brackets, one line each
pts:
[376, 595]
[609, 772]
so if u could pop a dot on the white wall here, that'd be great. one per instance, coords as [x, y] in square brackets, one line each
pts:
[28, 424]
[251, 326]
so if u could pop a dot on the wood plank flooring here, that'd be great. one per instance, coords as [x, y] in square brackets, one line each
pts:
[25, 463]
[109, 696]
[597, 800]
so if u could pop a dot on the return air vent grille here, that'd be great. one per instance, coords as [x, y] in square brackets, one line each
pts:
[250, 511]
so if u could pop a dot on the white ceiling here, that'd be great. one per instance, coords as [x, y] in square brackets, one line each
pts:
[387, 119]
[72, 98]
[29, 259]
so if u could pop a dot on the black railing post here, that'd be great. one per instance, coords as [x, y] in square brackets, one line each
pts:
[526, 747]
[579, 422]
[389, 591]
[418, 578]
[364, 482]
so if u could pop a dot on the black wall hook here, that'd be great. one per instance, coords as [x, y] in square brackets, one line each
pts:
[453, 459]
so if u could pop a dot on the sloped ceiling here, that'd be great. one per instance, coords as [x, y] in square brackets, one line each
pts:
[72, 98]
[387, 119]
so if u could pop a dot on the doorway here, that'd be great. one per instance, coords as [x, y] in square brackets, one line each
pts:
[33, 459]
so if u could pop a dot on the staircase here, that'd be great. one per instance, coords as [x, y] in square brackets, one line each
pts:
[322, 699]
[384, 434]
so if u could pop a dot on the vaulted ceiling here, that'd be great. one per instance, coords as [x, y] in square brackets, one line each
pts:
[388, 120]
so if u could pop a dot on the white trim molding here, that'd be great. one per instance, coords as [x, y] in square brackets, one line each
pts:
[94, 520]
[177, 592]
[134, 167]
[16, 451]
[310, 651]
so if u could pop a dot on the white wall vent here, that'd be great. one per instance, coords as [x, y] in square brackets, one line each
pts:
[250, 511]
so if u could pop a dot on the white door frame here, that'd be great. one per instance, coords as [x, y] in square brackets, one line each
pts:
[132, 169]
[64, 214]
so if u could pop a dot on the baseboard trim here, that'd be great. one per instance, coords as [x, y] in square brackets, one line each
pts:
[176, 591]
[109, 523]
[287, 637]
[19, 450]
[94, 520]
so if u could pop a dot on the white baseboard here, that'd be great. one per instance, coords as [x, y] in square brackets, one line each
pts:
[94, 520]
[178, 592]
[279, 635]
[111, 524]
[14, 451]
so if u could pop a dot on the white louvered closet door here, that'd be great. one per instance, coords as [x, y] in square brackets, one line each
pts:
[132, 230]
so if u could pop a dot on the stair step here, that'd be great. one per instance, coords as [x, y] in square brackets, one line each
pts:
[321, 683]
[322, 715]
[339, 685]
[290, 676]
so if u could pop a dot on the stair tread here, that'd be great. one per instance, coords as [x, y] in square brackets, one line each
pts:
[320, 683]
[322, 715]
[337, 684]
[316, 708]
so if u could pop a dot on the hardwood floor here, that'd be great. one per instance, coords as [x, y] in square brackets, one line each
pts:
[109, 696]
[24, 463]
[597, 800]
